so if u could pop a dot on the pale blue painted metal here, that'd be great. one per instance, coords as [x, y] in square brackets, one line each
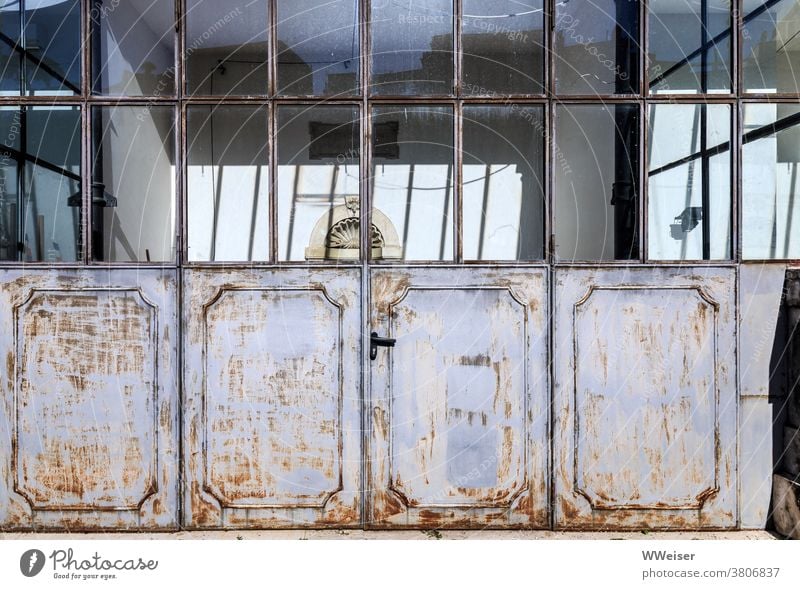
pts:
[645, 400]
[88, 418]
[272, 398]
[459, 407]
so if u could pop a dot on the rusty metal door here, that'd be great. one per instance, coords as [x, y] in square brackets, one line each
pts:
[645, 401]
[88, 417]
[272, 414]
[458, 412]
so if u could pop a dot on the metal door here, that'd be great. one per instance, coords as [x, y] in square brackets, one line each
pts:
[272, 414]
[458, 412]
[88, 418]
[645, 399]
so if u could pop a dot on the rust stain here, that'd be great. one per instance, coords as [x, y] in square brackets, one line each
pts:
[430, 518]
[387, 505]
[203, 513]
[386, 289]
[571, 513]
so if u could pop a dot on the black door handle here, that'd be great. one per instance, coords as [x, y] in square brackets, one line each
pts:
[375, 341]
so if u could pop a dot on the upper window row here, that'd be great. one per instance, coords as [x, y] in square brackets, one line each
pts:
[317, 47]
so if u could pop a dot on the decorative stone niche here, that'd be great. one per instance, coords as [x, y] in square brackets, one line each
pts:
[336, 235]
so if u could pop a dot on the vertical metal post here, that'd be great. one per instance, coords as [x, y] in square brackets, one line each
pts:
[704, 160]
[95, 214]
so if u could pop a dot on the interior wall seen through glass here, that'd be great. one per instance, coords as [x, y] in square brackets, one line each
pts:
[318, 183]
[689, 182]
[227, 183]
[318, 47]
[503, 182]
[133, 184]
[413, 177]
[770, 160]
[596, 169]
[133, 47]
[226, 47]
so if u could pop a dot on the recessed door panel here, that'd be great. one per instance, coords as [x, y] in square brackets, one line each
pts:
[272, 398]
[645, 398]
[89, 411]
[458, 410]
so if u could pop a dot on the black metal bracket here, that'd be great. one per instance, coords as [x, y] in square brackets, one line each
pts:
[375, 341]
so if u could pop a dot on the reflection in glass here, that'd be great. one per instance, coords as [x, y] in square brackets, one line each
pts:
[46, 58]
[503, 183]
[133, 184]
[412, 177]
[689, 46]
[227, 183]
[689, 182]
[770, 160]
[412, 47]
[503, 47]
[596, 167]
[133, 48]
[771, 46]
[597, 47]
[318, 50]
[40, 160]
[318, 183]
[226, 47]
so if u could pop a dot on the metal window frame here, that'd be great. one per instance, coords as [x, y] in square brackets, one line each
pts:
[364, 100]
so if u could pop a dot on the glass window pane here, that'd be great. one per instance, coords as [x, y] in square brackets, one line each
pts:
[133, 50]
[226, 47]
[133, 184]
[771, 46]
[42, 156]
[227, 183]
[689, 46]
[689, 182]
[597, 47]
[318, 183]
[50, 45]
[503, 182]
[412, 180]
[318, 51]
[596, 167]
[503, 47]
[10, 58]
[770, 160]
[412, 47]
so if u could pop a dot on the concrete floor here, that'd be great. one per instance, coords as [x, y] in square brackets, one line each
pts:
[402, 535]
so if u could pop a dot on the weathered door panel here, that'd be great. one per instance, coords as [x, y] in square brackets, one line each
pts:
[272, 398]
[88, 418]
[459, 407]
[645, 398]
